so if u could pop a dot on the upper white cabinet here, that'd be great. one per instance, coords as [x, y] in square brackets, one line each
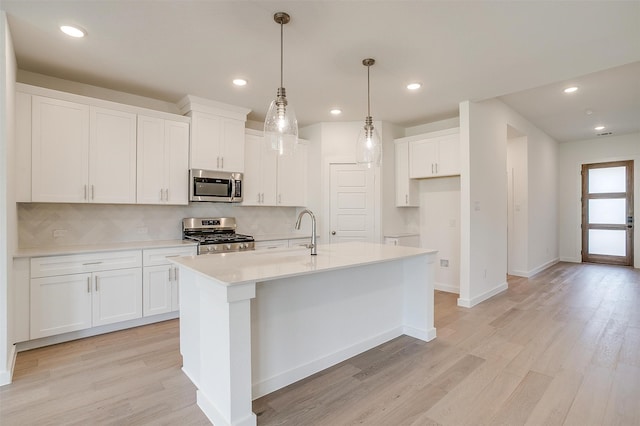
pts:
[163, 161]
[217, 134]
[406, 189]
[112, 156]
[60, 150]
[259, 184]
[272, 180]
[75, 149]
[435, 155]
[82, 153]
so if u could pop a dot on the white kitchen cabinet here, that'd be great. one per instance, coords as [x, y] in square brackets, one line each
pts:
[271, 244]
[76, 292]
[406, 189]
[82, 153]
[160, 283]
[259, 183]
[408, 240]
[217, 143]
[435, 156]
[272, 180]
[60, 150]
[163, 161]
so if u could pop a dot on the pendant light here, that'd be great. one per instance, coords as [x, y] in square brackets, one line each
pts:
[280, 125]
[368, 146]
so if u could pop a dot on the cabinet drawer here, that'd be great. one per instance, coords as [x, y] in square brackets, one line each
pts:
[156, 257]
[79, 263]
[270, 245]
[300, 242]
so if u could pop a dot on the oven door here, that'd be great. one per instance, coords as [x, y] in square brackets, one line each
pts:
[214, 186]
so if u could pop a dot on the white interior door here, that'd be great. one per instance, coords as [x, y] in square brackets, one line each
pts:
[352, 203]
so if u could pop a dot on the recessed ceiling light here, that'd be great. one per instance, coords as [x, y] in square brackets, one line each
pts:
[335, 111]
[599, 128]
[239, 81]
[73, 31]
[414, 86]
[571, 89]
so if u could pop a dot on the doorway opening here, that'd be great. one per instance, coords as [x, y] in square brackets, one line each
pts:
[607, 213]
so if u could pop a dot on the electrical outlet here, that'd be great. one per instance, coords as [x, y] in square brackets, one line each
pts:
[444, 263]
[59, 233]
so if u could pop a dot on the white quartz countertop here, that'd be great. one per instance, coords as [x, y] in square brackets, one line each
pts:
[274, 237]
[98, 248]
[256, 266]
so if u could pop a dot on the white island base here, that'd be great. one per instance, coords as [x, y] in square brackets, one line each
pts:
[254, 322]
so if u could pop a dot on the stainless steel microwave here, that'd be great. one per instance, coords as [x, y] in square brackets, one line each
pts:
[209, 185]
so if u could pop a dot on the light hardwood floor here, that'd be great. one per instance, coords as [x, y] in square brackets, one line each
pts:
[562, 347]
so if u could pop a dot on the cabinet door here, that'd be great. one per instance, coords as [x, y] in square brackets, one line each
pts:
[157, 290]
[112, 156]
[176, 162]
[423, 157]
[259, 183]
[232, 146]
[206, 130]
[60, 144]
[60, 304]
[151, 160]
[292, 178]
[117, 296]
[406, 189]
[449, 155]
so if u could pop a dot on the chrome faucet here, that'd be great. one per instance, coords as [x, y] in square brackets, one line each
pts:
[313, 245]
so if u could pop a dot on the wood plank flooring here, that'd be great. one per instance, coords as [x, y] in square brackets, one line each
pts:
[561, 348]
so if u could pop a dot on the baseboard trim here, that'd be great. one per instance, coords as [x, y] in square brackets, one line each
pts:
[470, 303]
[542, 267]
[93, 331]
[446, 287]
[570, 259]
[6, 376]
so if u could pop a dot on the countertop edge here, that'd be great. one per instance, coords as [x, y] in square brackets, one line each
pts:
[100, 248]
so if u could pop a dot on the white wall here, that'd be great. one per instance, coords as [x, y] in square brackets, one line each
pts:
[448, 123]
[483, 134]
[8, 228]
[571, 156]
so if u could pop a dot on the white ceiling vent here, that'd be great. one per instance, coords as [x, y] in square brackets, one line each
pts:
[605, 133]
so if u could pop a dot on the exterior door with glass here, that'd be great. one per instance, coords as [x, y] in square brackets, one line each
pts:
[607, 213]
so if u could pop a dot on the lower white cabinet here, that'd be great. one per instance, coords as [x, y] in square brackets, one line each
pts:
[160, 283]
[64, 303]
[75, 292]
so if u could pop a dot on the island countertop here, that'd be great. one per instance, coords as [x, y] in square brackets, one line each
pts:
[255, 266]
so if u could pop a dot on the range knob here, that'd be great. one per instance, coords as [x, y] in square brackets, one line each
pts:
[228, 246]
[213, 248]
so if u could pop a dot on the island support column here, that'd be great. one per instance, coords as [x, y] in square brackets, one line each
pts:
[220, 365]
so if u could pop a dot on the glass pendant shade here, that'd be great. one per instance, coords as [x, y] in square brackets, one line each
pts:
[281, 126]
[369, 145]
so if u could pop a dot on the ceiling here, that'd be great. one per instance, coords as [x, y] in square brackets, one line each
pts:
[524, 52]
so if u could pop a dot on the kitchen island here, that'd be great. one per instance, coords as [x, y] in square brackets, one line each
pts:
[254, 322]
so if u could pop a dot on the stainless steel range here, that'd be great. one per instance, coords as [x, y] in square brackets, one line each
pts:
[215, 235]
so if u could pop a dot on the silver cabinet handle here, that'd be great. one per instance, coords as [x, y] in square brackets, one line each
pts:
[176, 274]
[222, 162]
[88, 284]
[91, 263]
[170, 271]
[258, 198]
[406, 198]
[84, 196]
[279, 198]
[92, 192]
[161, 195]
[166, 194]
[432, 168]
[97, 286]
[217, 162]
[262, 198]
[436, 167]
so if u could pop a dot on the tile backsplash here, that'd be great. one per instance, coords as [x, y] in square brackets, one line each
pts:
[44, 225]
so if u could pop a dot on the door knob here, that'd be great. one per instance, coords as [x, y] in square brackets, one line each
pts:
[333, 232]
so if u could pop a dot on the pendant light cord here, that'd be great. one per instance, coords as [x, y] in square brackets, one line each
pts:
[281, 53]
[368, 93]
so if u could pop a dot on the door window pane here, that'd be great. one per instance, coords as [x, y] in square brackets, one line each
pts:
[607, 179]
[608, 211]
[608, 242]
